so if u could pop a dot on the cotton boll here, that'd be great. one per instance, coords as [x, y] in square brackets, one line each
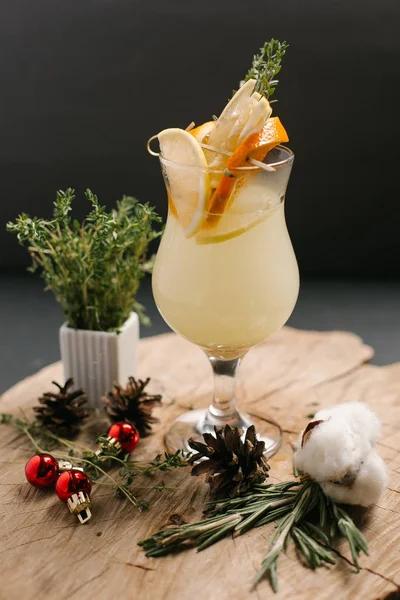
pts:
[333, 450]
[337, 446]
[359, 416]
[369, 484]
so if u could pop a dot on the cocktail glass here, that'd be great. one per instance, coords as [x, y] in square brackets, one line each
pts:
[230, 286]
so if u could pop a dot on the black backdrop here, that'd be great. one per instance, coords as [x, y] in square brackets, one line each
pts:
[85, 83]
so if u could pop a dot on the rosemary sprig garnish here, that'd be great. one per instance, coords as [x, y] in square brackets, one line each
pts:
[97, 465]
[303, 513]
[265, 67]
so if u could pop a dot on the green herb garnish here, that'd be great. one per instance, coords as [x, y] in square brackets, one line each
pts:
[266, 66]
[97, 464]
[304, 515]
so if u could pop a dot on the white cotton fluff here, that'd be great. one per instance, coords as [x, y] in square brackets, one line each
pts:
[337, 446]
[359, 416]
[341, 449]
[370, 483]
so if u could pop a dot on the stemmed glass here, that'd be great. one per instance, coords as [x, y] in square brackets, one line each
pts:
[230, 286]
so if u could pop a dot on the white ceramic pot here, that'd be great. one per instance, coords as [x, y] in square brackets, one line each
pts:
[95, 359]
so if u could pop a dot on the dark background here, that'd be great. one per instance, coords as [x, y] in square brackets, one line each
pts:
[85, 84]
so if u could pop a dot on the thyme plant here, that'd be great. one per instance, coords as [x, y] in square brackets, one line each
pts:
[93, 267]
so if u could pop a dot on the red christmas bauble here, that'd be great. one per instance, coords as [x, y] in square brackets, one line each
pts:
[126, 434]
[41, 470]
[72, 482]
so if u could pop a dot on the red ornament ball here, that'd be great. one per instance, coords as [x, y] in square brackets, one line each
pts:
[41, 470]
[126, 434]
[71, 482]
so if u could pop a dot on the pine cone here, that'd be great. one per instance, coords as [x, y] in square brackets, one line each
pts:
[232, 466]
[132, 404]
[62, 412]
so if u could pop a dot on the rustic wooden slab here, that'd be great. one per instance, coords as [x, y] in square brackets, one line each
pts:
[46, 554]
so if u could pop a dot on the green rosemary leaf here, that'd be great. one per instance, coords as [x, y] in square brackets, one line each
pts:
[275, 515]
[317, 532]
[218, 535]
[322, 510]
[361, 541]
[311, 540]
[257, 514]
[293, 503]
[269, 568]
[303, 548]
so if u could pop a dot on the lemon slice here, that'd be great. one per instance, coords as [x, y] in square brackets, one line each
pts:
[232, 229]
[202, 131]
[189, 189]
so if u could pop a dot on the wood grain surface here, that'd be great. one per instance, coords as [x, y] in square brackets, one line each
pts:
[46, 554]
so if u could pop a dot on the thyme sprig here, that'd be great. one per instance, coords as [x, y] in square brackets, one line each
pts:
[96, 464]
[265, 67]
[93, 267]
[303, 513]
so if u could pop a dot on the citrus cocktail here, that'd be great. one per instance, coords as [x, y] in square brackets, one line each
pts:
[225, 275]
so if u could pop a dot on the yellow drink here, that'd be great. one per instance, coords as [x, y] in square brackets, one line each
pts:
[229, 288]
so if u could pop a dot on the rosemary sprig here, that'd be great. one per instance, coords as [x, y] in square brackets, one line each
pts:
[265, 67]
[303, 513]
[97, 464]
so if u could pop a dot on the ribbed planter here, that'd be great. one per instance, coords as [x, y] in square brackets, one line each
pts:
[95, 359]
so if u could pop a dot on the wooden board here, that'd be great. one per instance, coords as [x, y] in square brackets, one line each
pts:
[46, 554]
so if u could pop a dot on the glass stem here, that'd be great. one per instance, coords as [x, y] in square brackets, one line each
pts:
[223, 406]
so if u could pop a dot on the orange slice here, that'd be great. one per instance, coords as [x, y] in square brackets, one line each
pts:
[255, 146]
[259, 144]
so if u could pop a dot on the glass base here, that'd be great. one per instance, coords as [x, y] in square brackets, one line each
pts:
[196, 422]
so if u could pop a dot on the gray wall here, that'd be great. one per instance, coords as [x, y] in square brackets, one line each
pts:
[85, 83]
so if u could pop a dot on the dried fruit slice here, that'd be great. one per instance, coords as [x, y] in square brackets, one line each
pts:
[202, 131]
[235, 122]
[257, 146]
[189, 189]
[259, 116]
